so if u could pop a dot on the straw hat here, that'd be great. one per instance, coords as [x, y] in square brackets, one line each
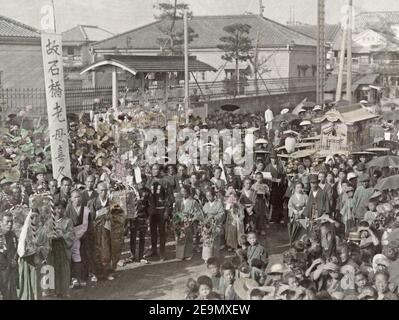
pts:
[277, 268]
[351, 175]
[305, 123]
[317, 108]
[243, 287]
[284, 111]
[354, 236]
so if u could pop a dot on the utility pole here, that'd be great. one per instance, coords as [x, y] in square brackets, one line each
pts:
[321, 53]
[349, 54]
[186, 71]
[341, 62]
[261, 8]
[256, 62]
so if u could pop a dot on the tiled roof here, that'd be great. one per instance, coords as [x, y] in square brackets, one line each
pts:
[332, 31]
[154, 63]
[209, 30]
[13, 29]
[83, 33]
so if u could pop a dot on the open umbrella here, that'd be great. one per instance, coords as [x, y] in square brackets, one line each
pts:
[342, 103]
[391, 116]
[229, 108]
[285, 117]
[309, 104]
[287, 105]
[261, 141]
[390, 183]
[384, 161]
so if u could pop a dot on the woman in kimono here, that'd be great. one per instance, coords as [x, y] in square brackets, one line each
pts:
[234, 227]
[32, 250]
[297, 202]
[60, 254]
[347, 211]
[296, 206]
[262, 192]
[214, 210]
[247, 199]
[186, 211]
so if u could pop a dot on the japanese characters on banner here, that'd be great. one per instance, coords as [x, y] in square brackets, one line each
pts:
[56, 108]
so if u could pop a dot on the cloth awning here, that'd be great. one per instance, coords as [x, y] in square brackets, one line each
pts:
[358, 80]
[138, 64]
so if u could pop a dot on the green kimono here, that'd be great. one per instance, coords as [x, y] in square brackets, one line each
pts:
[60, 255]
[189, 209]
[216, 211]
[360, 198]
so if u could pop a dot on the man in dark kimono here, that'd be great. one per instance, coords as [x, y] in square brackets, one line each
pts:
[83, 246]
[89, 193]
[232, 178]
[362, 195]
[65, 191]
[161, 199]
[8, 259]
[318, 203]
[99, 210]
[277, 188]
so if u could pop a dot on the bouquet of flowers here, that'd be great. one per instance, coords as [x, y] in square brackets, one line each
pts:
[209, 231]
[180, 224]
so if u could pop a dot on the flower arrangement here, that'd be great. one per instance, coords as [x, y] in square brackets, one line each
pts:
[209, 231]
[181, 223]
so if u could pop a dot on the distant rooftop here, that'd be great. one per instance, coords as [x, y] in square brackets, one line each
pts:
[332, 31]
[209, 30]
[10, 28]
[85, 33]
[364, 20]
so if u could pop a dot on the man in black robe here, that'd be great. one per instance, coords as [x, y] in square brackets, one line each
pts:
[8, 259]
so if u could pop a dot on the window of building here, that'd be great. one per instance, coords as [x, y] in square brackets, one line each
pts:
[203, 76]
[70, 51]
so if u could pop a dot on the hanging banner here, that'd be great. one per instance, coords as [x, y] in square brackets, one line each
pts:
[56, 108]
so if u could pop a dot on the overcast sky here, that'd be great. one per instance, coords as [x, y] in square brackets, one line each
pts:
[123, 15]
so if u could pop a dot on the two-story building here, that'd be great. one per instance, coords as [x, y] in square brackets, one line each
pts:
[76, 44]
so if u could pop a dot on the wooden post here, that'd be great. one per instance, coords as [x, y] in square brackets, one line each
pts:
[114, 88]
[341, 64]
[186, 71]
[349, 55]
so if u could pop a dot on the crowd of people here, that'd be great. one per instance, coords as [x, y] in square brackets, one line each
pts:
[343, 233]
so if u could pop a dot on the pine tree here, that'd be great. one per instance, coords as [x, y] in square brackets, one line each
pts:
[236, 46]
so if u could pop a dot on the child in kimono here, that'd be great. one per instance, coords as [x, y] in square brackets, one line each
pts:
[213, 266]
[256, 250]
[226, 288]
[234, 225]
[204, 288]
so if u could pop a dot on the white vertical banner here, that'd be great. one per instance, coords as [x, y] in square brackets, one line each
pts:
[56, 108]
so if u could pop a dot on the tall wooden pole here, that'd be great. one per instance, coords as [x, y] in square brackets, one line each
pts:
[186, 71]
[341, 63]
[349, 54]
[321, 53]
[55, 22]
[261, 8]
